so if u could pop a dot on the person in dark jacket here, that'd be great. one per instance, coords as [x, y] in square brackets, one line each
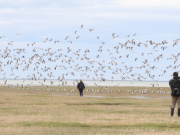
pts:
[175, 99]
[81, 87]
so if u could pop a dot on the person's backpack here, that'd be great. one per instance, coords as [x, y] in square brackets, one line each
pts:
[81, 86]
[175, 88]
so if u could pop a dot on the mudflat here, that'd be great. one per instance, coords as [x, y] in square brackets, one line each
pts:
[106, 111]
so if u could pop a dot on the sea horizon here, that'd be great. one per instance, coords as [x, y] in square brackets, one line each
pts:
[72, 82]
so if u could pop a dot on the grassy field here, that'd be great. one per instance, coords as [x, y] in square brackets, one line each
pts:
[42, 112]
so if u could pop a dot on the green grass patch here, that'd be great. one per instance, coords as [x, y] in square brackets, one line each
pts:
[160, 126]
[105, 111]
[156, 126]
[106, 104]
[32, 95]
[52, 124]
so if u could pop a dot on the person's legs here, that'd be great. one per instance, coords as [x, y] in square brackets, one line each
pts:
[178, 101]
[174, 99]
[80, 92]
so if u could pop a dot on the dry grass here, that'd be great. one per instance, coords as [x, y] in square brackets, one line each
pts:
[55, 113]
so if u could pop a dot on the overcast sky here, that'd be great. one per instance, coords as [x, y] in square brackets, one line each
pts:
[51, 17]
[36, 20]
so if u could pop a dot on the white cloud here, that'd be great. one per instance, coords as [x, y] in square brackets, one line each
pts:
[61, 15]
[44, 15]
[89, 3]
[149, 3]
[5, 22]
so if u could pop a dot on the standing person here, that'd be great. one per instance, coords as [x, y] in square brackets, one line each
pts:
[175, 92]
[80, 87]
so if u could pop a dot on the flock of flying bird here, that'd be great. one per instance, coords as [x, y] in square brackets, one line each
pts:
[128, 60]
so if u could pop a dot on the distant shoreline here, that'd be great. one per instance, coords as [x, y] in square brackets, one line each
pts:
[1, 79]
[87, 83]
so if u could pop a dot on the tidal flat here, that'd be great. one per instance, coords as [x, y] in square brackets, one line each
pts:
[109, 111]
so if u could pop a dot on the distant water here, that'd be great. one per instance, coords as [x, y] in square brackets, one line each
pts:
[87, 83]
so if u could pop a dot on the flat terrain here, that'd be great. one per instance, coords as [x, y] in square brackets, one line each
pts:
[53, 111]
